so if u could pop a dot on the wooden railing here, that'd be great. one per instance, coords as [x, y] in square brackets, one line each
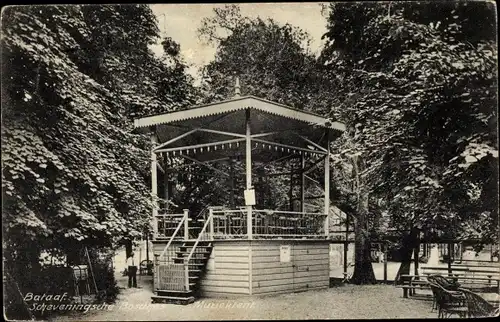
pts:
[168, 274]
[167, 223]
[230, 224]
[206, 234]
[288, 224]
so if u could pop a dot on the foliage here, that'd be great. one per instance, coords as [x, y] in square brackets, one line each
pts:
[420, 106]
[19, 305]
[102, 267]
[72, 172]
[261, 53]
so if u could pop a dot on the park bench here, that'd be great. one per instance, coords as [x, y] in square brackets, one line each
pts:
[464, 273]
[479, 265]
[476, 261]
[410, 283]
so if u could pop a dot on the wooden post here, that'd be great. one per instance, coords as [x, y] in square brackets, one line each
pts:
[290, 191]
[231, 183]
[211, 223]
[147, 251]
[346, 243]
[258, 196]
[165, 188]
[186, 275]
[385, 262]
[415, 254]
[91, 271]
[248, 167]
[186, 224]
[327, 181]
[302, 183]
[450, 250]
[154, 186]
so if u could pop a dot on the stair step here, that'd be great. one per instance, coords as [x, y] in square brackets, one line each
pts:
[196, 264]
[205, 253]
[174, 293]
[197, 246]
[192, 257]
[180, 260]
[197, 251]
[191, 284]
[201, 243]
[172, 299]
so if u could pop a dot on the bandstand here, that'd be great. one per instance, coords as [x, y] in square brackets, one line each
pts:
[238, 250]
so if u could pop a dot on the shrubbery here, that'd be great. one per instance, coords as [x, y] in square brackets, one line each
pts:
[26, 291]
[105, 278]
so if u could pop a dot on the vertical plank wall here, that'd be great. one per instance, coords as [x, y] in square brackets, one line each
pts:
[308, 267]
[227, 271]
[239, 268]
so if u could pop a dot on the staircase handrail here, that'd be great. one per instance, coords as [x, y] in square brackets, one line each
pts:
[173, 236]
[202, 212]
[186, 260]
[199, 237]
[206, 209]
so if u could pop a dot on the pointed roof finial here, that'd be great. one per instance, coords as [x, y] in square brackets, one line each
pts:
[237, 87]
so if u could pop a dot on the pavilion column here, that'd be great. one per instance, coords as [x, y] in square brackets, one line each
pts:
[302, 183]
[327, 182]
[248, 167]
[166, 187]
[154, 186]
[290, 191]
[231, 183]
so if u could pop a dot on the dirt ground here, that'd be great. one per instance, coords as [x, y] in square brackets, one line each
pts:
[343, 302]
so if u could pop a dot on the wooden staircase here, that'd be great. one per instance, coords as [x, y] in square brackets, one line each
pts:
[200, 253]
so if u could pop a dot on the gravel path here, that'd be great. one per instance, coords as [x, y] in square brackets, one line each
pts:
[344, 302]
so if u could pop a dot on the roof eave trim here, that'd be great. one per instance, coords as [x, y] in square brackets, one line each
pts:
[236, 105]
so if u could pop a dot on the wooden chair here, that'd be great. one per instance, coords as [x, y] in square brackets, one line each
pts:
[237, 225]
[145, 267]
[448, 302]
[444, 282]
[434, 296]
[348, 273]
[478, 306]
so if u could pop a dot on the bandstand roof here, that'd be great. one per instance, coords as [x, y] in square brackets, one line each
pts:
[275, 129]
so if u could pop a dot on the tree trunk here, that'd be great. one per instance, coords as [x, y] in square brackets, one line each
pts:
[128, 248]
[363, 269]
[410, 241]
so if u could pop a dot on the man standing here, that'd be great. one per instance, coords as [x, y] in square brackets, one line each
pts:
[132, 270]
